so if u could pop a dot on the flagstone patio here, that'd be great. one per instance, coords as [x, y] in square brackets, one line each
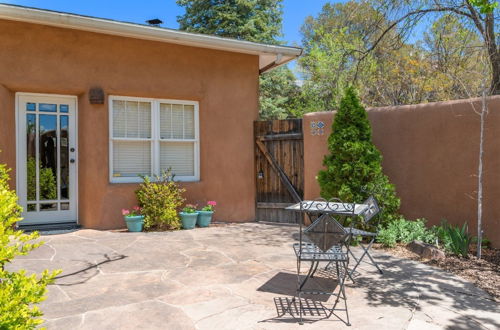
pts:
[229, 277]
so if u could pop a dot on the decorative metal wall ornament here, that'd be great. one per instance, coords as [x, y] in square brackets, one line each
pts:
[317, 128]
[96, 95]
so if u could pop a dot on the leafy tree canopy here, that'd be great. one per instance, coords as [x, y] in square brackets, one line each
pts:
[251, 20]
[352, 44]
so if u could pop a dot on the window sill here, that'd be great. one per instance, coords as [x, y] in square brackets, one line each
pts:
[139, 180]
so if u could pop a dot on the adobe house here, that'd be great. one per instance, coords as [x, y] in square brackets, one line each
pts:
[88, 104]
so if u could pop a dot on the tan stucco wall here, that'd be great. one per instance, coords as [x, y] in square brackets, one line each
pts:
[42, 59]
[431, 155]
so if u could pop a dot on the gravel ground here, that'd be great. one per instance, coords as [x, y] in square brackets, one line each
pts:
[484, 273]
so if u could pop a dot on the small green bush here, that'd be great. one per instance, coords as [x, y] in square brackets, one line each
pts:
[405, 231]
[19, 292]
[160, 199]
[454, 239]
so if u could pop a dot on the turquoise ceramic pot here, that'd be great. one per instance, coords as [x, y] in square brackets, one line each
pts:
[135, 223]
[188, 220]
[204, 218]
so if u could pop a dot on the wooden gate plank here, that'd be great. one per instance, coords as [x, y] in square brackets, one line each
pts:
[279, 171]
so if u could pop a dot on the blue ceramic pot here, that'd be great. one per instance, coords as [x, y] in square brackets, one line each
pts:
[204, 218]
[135, 223]
[188, 219]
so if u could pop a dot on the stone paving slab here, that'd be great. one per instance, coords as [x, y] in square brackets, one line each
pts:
[232, 277]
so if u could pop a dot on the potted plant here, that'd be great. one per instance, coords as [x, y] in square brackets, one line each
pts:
[189, 216]
[206, 213]
[133, 218]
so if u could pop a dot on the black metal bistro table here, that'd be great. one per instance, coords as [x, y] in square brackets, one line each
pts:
[328, 241]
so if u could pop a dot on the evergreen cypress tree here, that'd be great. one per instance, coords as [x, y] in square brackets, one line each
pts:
[354, 163]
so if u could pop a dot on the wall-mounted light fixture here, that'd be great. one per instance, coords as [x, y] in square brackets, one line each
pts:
[96, 95]
[260, 175]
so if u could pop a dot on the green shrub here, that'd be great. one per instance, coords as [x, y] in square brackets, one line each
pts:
[405, 231]
[160, 200]
[454, 239]
[353, 168]
[19, 292]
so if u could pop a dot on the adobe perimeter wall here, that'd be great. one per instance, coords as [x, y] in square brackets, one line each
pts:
[42, 59]
[430, 152]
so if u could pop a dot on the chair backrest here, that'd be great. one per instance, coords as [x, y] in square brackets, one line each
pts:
[372, 210]
[326, 232]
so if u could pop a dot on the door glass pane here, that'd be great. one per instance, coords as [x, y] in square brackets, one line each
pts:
[48, 207]
[31, 156]
[45, 107]
[63, 108]
[64, 158]
[31, 207]
[64, 206]
[30, 106]
[48, 157]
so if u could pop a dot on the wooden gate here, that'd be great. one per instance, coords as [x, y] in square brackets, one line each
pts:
[279, 169]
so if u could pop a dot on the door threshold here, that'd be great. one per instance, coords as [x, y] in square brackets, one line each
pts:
[50, 227]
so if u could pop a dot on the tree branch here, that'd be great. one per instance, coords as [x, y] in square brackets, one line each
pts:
[476, 18]
[420, 12]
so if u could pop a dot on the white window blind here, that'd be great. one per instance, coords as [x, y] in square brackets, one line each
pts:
[131, 119]
[131, 158]
[177, 156]
[149, 136]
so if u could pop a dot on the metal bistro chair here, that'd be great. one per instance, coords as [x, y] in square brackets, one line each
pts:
[368, 214]
[329, 242]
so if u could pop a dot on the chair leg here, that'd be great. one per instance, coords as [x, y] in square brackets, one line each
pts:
[374, 262]
[345, 297]
[315, 269]
[307, 276]
[366, 253]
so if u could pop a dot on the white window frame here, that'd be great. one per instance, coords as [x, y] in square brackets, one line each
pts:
[155, 138]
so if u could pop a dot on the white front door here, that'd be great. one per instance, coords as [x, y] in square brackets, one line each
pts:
[46, 158]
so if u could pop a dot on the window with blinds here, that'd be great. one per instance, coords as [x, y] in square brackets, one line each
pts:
[148, 136]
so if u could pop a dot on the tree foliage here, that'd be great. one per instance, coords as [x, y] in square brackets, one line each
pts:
[19, 292]
[353, 167]
[278, 94]
[480, 16]
[352, 44]
[251, 20]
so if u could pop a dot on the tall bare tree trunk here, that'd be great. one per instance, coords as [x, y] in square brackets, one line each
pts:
[484, 112]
